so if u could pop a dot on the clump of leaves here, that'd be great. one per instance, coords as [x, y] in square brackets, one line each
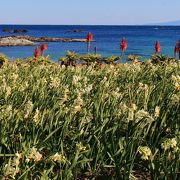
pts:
[70, 59]
[159, 59]
[134, 58]
[40, 60]
[111, 59]
[91, 58]
[3, 59]
[19, 61]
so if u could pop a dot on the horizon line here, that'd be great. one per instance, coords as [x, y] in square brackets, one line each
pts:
[89, 24]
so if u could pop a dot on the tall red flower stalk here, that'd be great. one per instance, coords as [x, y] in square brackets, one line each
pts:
[177, 49]
[158, 47]
[95, 50]
[89, 39]
[36, 53]
[43, 48]
[123, 45]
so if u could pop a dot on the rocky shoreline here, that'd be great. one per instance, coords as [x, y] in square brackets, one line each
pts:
[30, 41]
[14, 41]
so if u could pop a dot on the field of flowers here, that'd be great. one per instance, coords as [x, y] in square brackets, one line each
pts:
[90, 122]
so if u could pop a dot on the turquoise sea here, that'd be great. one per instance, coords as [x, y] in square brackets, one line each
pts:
[140, 39]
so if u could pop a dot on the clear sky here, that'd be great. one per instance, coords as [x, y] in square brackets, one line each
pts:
[89, 12]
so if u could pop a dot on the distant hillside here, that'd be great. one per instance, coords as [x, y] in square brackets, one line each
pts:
[171, 23]
[175, 23]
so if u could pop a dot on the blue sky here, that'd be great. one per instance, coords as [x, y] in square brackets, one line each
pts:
[116, 12]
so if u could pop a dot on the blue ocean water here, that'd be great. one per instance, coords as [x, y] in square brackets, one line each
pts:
[140, 39]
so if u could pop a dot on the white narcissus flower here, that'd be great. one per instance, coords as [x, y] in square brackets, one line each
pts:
[173, 77]
[65, 96]
[85, 80]
[176, 82]
[142, 114]
[56, 157]
[36, 116]
[55, 82]
[141, 85]
[8, 91]
[76, 79]
[116, 94]
[80, 147]
[123, 107]
[59, 158]
[44, 80]
[131, 115]
[34, 155]
[17, 160]
[145, 152]
[9, 171]
[63, 67]
[89, 88]
[175, 99]
[12, 169]
[169, 144]
[134, 107]
[157, 111]
[105, 79]
[9, 109]
[77, 108]
[79, 99]
[106, 84]
[28, 108]
[15, 77]
[177, 86]
[173, 143]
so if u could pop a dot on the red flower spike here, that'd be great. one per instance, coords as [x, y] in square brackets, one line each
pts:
[43, 47]
[158, 47]
[177, 49]
[36, 52]
[178, 46]
[123, 45]
[89, 37]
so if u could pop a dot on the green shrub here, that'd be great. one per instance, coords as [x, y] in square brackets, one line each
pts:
[161, 59]
[3, 59]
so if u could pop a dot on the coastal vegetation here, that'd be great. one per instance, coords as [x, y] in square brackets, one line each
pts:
[89, 120]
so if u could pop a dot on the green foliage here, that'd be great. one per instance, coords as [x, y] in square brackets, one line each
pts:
[72, 58]
[113, 122]
[39, 60]
[111, 59]
[161, 59]
[3, 59]
[134, 58]
[91, 58]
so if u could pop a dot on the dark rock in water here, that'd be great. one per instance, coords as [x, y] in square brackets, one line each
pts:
[20, 31]
[7, 30]
[76, 30]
